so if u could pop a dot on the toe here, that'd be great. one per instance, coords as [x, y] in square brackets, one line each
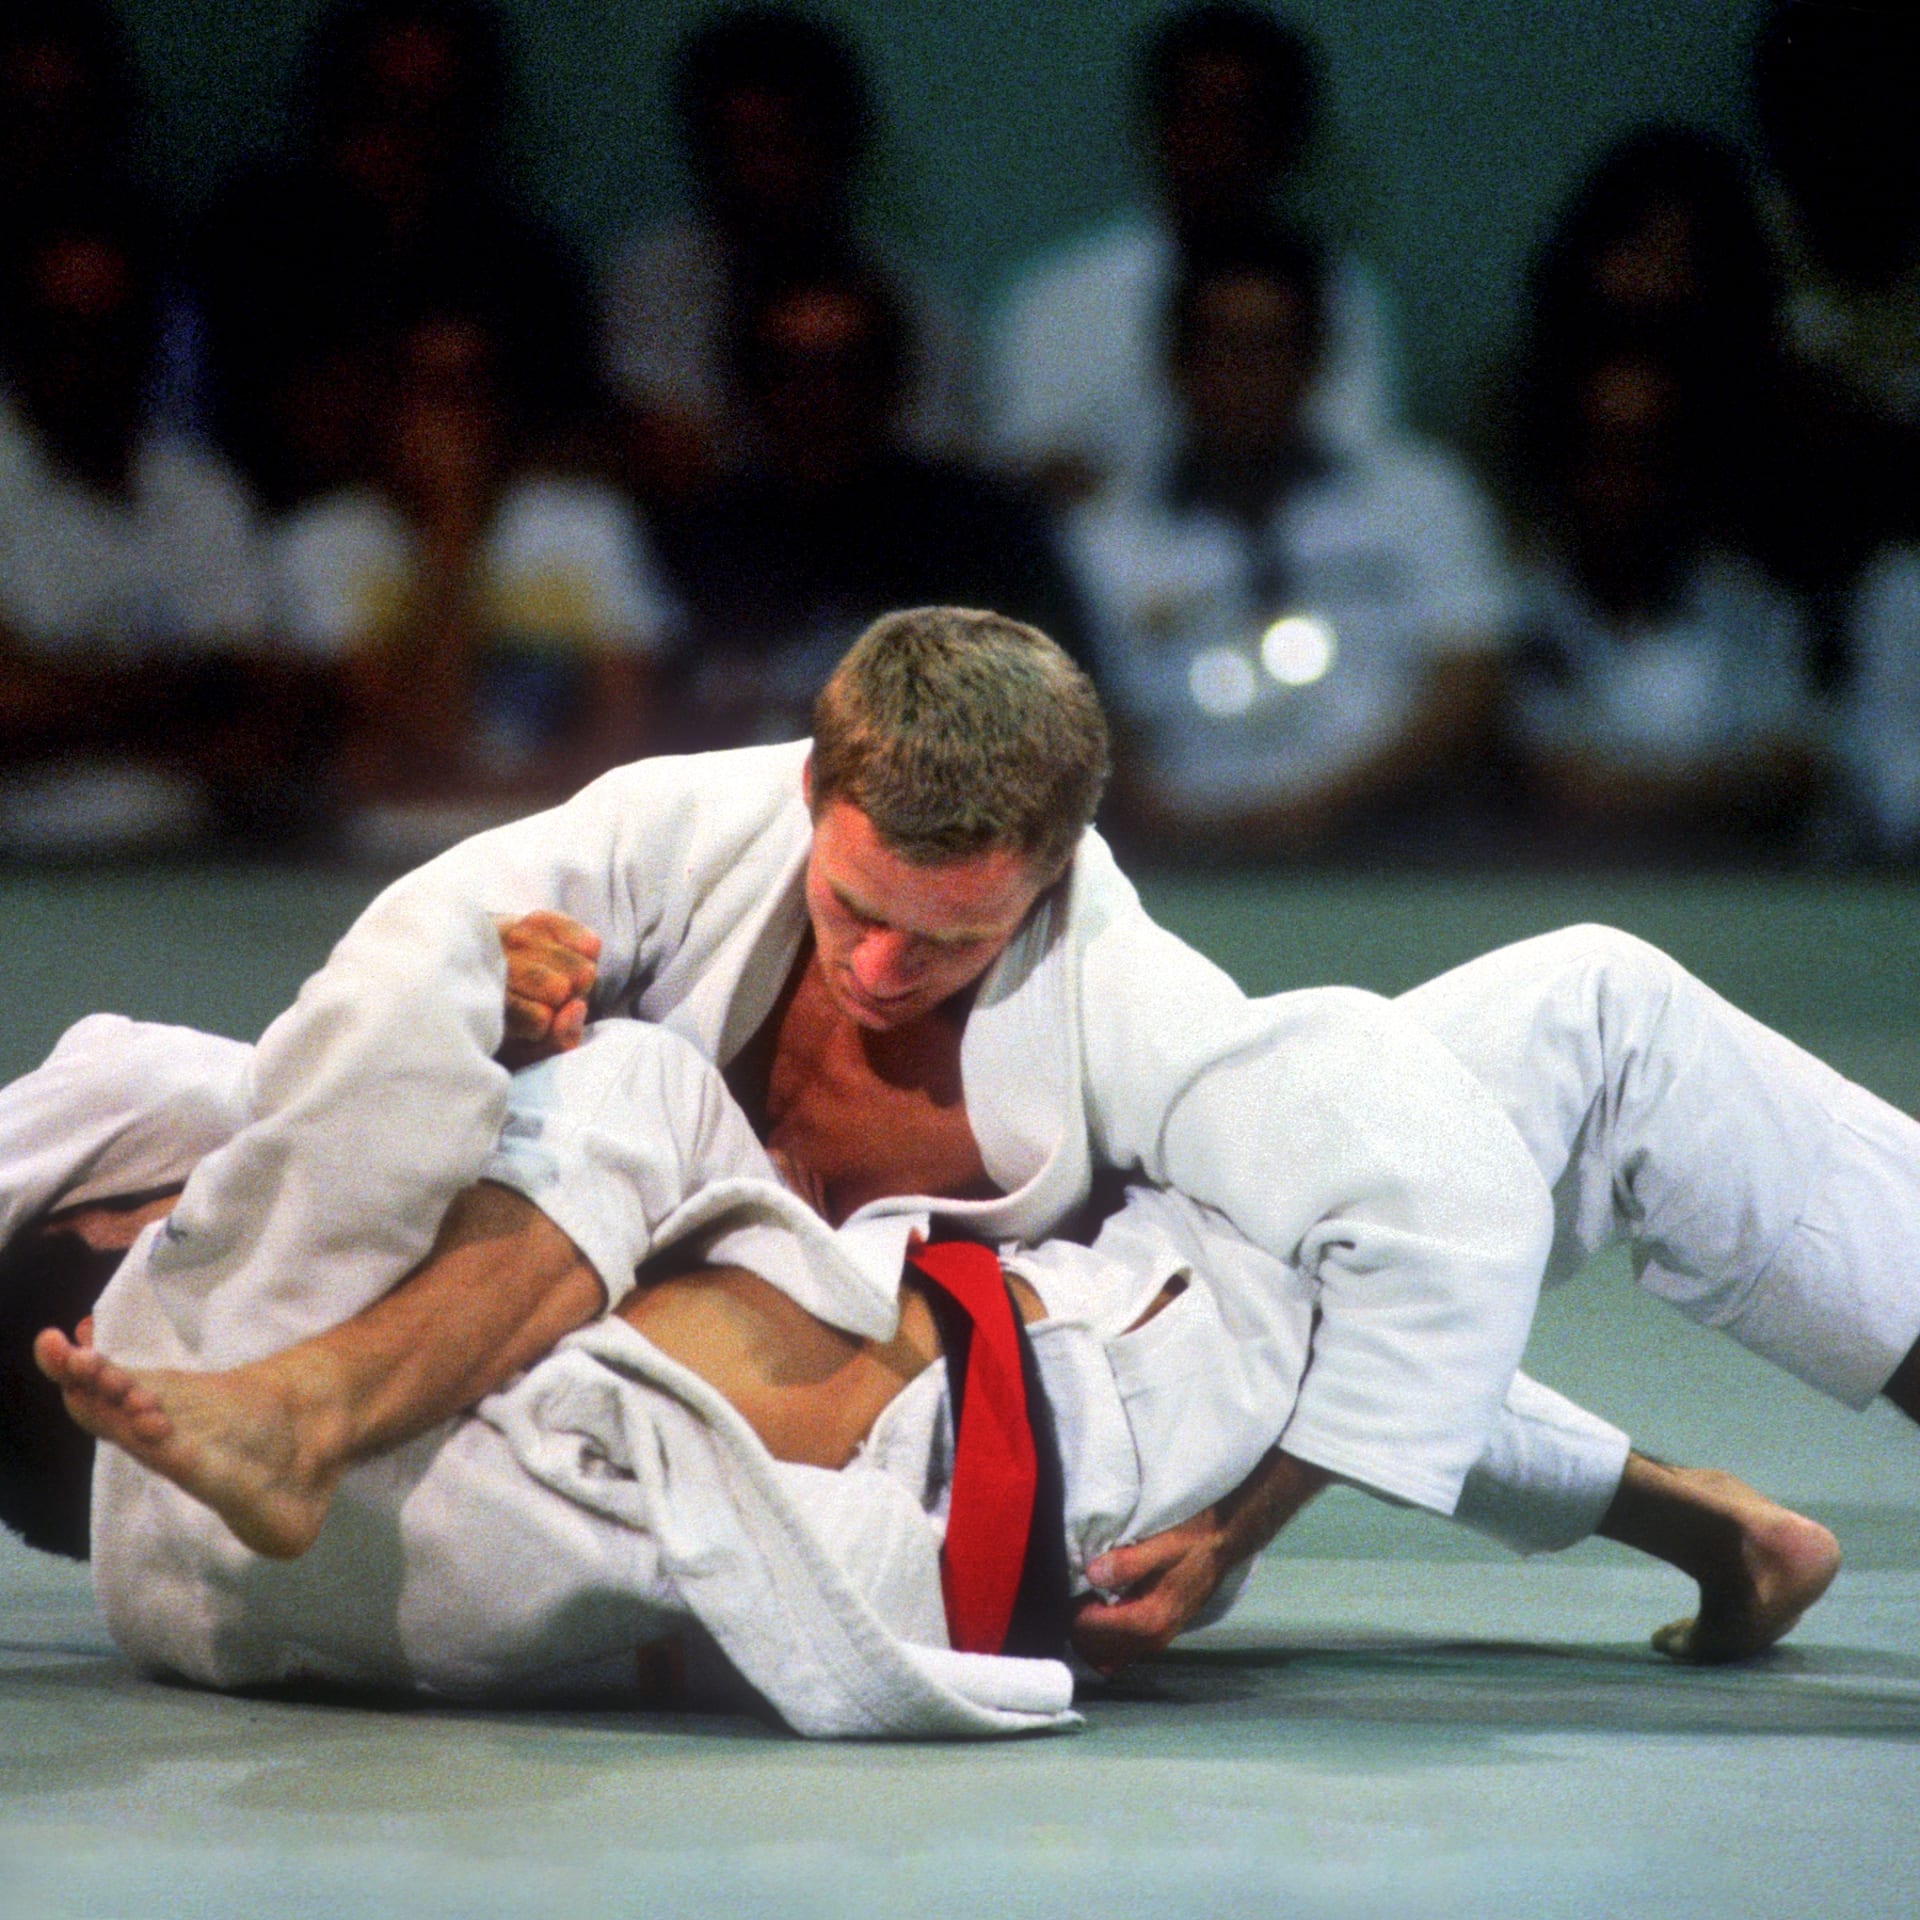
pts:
[149, 1424]
[1677, 1639]
[82, 1367]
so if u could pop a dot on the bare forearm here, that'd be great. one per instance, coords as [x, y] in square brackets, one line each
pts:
[1264, 1502]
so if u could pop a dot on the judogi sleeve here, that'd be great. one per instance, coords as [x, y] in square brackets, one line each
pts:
[1340, 1138]
[665, 860]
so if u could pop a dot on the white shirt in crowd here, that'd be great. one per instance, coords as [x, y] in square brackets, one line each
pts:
[1880, 723]
[1725, 672]
[1077, 355]
[664, 316]
[565, 577]
[1391, 560]
[563, 565]
[174, 567]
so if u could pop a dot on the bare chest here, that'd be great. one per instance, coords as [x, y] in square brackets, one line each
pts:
[861, 1115]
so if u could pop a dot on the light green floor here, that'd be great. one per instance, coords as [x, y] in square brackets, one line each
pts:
[1398, 1721]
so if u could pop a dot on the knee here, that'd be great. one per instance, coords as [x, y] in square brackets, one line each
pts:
[1623, 972]
[93, 1031]
[168, 1084]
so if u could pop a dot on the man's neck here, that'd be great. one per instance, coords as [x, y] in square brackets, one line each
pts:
[854, 1114]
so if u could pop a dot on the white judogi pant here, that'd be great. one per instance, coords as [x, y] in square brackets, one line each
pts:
[1758, 1191]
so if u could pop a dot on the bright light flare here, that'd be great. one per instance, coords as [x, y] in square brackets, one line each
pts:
[1298, 650]
[1222, 682]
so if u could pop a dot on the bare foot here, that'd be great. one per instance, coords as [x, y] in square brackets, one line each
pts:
[1766, 1567]
[236, 1441]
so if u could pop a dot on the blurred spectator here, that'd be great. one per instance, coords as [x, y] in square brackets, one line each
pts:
[1664, 231]
[395, 196]
[1230, 100]
[130, 585]
[1880, 721]
[72, 126]
[1662, 696]
[1836, 87]
[69, 107]
[1292, 634]
[490, 624]
[777, 125]
[838, 522]
[1664, 241]
[1664, 245]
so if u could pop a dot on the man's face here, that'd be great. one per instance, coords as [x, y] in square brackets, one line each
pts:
[1218, 156]
[895, 940]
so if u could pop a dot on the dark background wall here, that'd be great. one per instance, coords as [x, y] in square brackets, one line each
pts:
[1457, 127]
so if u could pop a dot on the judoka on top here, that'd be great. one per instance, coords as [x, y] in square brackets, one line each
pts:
[1326, 1125]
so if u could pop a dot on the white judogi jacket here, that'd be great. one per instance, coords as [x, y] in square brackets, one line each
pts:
[606, 1500]
[1329, 1128]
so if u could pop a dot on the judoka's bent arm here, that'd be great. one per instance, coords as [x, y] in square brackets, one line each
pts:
[1342, 1140]
[665, 861]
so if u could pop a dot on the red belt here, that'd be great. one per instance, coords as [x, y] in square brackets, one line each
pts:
[990, 1505]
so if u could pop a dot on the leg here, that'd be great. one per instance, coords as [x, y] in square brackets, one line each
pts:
[119, 1107]
[264, 1444]
[1553, 1473]
[592, 1508]
[611, 1139]
[373, 1103]
[1759, 1191]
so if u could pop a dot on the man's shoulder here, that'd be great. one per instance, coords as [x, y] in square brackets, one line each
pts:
[1125, 258]
[739, 783]
[667, 826]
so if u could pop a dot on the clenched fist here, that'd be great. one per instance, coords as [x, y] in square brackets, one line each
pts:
[551, 967]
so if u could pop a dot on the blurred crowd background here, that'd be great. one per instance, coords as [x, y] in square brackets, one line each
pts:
[410, 408]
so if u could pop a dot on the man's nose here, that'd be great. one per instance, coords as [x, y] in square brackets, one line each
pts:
[886, 960]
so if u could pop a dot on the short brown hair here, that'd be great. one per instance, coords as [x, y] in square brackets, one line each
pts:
[957, 732]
